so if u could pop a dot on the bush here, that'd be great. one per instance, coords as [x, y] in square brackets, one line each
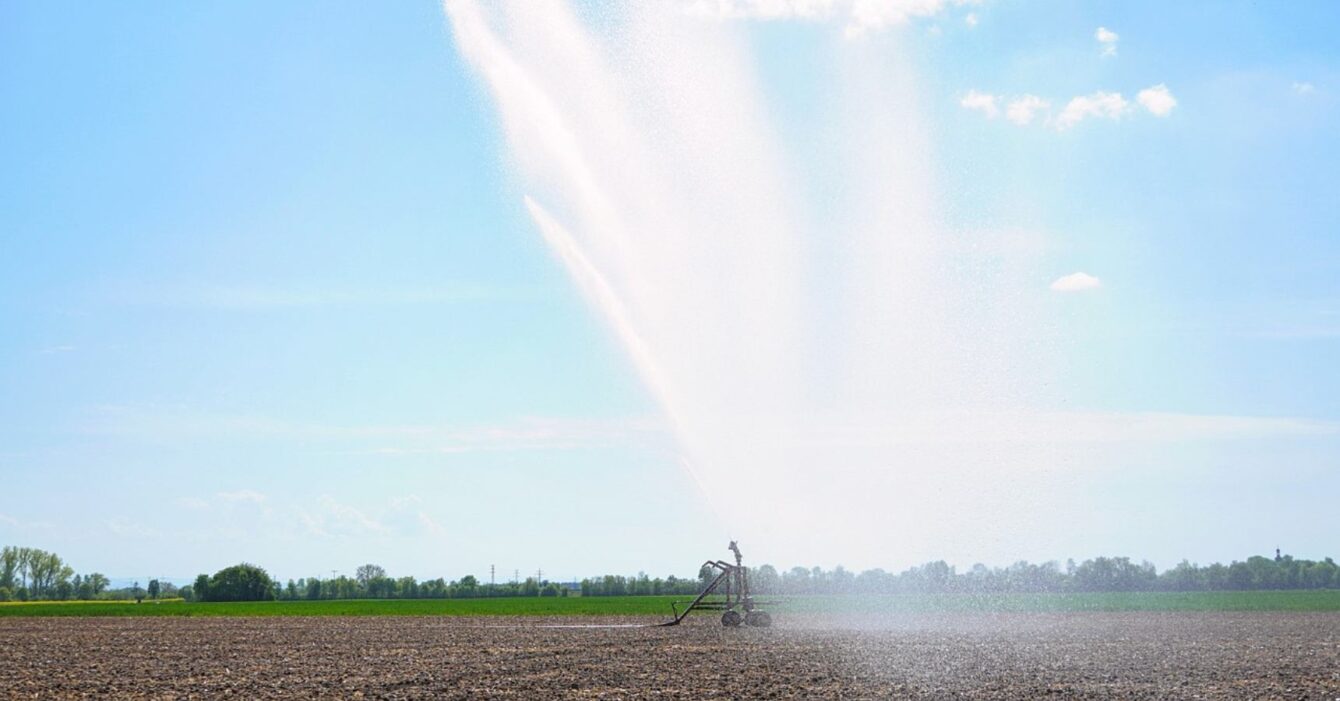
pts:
[6, 594]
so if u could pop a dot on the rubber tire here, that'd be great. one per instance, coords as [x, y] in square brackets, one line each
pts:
[731, 619]
[758, 619]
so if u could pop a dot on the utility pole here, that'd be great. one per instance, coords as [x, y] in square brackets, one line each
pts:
[492, 582]
[539, 577]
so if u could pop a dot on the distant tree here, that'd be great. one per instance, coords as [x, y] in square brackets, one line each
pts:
[155, 589]
[9, 567]
[243, 582]
[6, 594]
[797, 581]
[137, 593]
[200, 590]
[379, 588]
[187, 592]
[764, 580]
[98, 582]
[366, 573]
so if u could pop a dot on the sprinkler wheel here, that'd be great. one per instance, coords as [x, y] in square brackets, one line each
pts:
[731, 619]
[758, 619]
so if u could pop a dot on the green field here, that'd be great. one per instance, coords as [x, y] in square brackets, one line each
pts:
[1307, 600]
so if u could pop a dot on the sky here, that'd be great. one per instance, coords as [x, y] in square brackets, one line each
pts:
[270, 290]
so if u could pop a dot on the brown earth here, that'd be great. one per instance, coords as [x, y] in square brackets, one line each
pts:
[1022, 656]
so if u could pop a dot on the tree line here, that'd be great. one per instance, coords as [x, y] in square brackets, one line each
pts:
[246, 582]
[28, 574]
[1107, 574]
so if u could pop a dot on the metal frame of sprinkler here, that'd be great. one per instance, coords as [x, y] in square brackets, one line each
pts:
[731, 582]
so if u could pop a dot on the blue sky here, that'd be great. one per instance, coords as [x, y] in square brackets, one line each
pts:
[268, 290]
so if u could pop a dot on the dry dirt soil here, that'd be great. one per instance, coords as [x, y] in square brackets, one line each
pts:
[1020, 656]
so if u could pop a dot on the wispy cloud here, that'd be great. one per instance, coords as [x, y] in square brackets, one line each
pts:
[1304, 88]
[1076, 282]
[335, 518]
[242, 495]
[18, 524]
[1075, 427]
[1107, 39]
[260, 296]
[126, 528]
[193, 503]
[857, 16]
[160, 425]
[405, 502]
[432, 527]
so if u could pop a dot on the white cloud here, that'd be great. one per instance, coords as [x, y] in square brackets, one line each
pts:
[1157, 99]
[338, 519]
[130, 529]
[971, 19]
[982, 102]
[1076, 282]
[431, 526]
[1107, 39]
[242, 495]
[193, 503]
[858, 16]
[405, 502]
[1304, 88]
[1107, 105]
[1022, 109]
[9, 521]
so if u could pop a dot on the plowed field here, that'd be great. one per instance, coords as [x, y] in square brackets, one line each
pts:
[980, 656]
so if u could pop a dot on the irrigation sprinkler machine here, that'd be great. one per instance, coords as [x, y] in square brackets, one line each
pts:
[728, 592]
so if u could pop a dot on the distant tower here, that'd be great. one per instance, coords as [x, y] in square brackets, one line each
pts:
[1277, 555]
